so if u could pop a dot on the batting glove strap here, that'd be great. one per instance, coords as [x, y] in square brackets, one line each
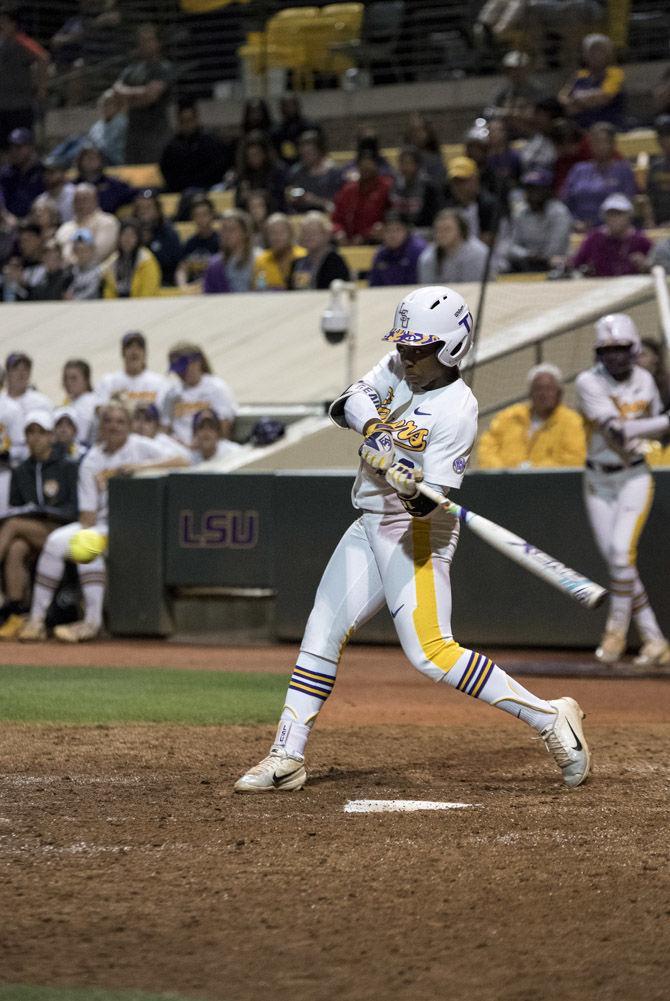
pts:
[404, 476]
[377, 450]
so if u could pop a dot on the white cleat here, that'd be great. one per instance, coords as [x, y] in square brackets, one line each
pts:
[612, 646]
[653, 653]
[565, 740]
[32, 632]
[77, 632]
[278, 772]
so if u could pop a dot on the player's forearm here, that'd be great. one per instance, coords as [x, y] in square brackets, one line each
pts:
[355, 407]
[646, 427]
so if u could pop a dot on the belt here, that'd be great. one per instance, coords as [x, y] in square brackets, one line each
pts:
[604, 467]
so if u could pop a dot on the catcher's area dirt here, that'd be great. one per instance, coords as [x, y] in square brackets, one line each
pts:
[126, 860]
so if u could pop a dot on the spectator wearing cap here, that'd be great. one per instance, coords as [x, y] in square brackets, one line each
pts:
[232, 269]
[103, 226]
[539, 433]
[193, 158]
[132, 272]
[360, 205]
[22, 177]
[43, 494]
[658, 178]
[198, 390]
[478, 206]
[23, 75]
[157, 233]
[540, 236]
[595, 93]
[134, 383]
[147, 422]
[58, 191]
[80, 398]
[113, 193]
[313, 181]
[415, 196]
[199, 249]
[322, 263]
[396, 261]
[208, 445]
[515, 101]
[616, 248]
[144, 86]
[85, 273]
[453, 255]
[56, 276]
[588, 184]
[273, 267]
[18, 368]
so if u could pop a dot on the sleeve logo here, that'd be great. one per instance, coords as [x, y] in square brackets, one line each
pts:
[459, 464]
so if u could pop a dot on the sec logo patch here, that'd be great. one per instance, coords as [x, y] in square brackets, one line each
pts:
[459, 464]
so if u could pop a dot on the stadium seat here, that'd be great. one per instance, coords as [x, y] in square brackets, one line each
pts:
[288, 41]
[337, 29]
[139, 175]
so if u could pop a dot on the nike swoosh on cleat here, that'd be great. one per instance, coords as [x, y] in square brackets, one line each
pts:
[393, 614]
[422, 413]
[578, 745]
[278, 780]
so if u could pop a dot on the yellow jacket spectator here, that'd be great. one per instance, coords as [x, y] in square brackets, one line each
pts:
[658, 454]
[273, 267]
[132, 271]
[540, 433]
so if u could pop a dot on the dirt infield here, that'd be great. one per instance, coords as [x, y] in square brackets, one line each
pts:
[127, 862]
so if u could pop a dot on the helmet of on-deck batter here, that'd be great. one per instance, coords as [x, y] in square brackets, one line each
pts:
[434, 315]
[617, 330]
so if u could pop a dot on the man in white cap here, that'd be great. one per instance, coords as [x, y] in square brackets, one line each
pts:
[616, 248]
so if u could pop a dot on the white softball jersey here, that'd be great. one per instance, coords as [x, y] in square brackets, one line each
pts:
[84, 408]
[147, 387]
[184, 402]
[601, 398]
[94, 498]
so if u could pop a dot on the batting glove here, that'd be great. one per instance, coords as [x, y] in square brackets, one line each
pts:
[404, 476]
[377, 450]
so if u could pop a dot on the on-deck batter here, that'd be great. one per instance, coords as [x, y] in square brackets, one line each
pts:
[419, 420]
[621, 405]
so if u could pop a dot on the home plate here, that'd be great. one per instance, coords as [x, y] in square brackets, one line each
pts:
[401, 805]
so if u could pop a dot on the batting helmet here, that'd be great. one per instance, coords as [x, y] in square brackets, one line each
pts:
[434, 315]
[617, 330]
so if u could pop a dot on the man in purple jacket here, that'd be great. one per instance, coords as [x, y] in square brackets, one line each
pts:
[616, 248]
[395, 263]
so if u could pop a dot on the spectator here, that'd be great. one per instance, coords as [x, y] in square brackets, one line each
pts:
[572, 146]
[453, 256]
[539, 153]
[367, 142]
[595, 93]
[193, 158]
[22, 177]
[540, 236]
[112, 192]
[503, 162]
[147, 423]
[18, 369]
[199, 389]
[46, 217]
[540, 433]
[23, 77]
[103, 227]
[80, 398]
[291, 126]
[157, 234]
[360, 206]
[256, 117]
[208, 446]
[313, 181]
[589, 184]
[66, 433]
[478, 206]
[109, 132]
[145, 87]
[134, 383]
[273, 267]
[258, 208]
[31, 251]
[118, 452]
[652, 356]
[132, 272]
[199, 249]
[514, 103]
[56, 277]
[414, 195]
[58, 192]
[616, 248]
[85, 274]
[322, 263]
[258, 169]
[421, 134]
[43, 491]
[231, 270]
[7, 232]
[658, 179]
[396, 261]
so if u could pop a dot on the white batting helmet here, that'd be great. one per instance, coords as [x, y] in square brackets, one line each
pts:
[617, 330]
[434, 314]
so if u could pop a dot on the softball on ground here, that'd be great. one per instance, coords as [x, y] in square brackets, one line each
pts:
[86, 545]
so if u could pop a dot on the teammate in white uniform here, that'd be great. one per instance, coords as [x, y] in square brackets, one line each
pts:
[198, 390]
[80, 398]
[621, 405]
[12, 446]
[419, 421]
[119, 452]
[135, 383]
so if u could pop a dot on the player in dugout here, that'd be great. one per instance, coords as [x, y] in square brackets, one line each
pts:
[418, 420]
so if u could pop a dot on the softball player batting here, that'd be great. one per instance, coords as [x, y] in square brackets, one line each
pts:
[621, 405]
[418, 420]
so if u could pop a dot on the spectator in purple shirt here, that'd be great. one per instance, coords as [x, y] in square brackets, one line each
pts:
[396, 261]
[590, 182]
[616, 248]
[22, 178]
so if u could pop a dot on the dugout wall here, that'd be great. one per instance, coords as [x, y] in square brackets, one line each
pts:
[245, 552]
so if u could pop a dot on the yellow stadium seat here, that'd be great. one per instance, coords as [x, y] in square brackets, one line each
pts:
[338, 25]
[140, 175]
[359, 258]
[169, 203]
[288, 42]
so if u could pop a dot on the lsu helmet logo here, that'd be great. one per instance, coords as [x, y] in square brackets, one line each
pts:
[403, 315]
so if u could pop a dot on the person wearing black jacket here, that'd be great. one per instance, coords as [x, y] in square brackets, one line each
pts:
[43, 494]
[322, 262]
[194, 158]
